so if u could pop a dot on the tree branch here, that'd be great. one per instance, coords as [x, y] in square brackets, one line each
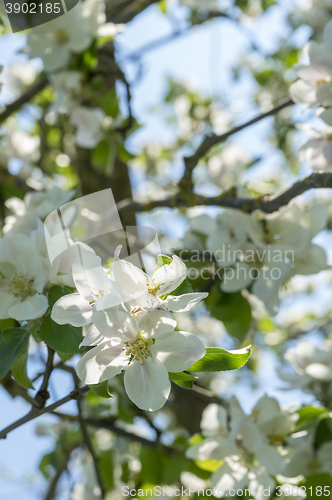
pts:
[43, 394]
[37, 412]
[25, 98]
[89, 446]
[109, 425]
[213, 139]
[266, 203]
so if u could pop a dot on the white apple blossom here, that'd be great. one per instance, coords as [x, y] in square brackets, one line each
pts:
[248, 459]
[65, 35]
[314, 86]
[67, 85]
[89, 126]
[144, 292]
[321, 52]
[94, 288]
[35, 205]
[146, 349]
[21, 145]
[273, 421]
[311, 365]
[318, 151]
[304, 459]
[313, 13]
[228, 235]
[22, 279]
[225, 168]
[18, 77]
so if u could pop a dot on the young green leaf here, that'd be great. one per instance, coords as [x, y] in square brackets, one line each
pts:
[163, 260]
[56, 292]
[19, 370]
[217, 360]
[182, 379]
[101, 390]
[13, 341]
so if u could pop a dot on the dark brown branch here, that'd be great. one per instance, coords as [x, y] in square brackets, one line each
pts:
[43, 394]
[37, 412]
[214, 139]
[109, 425]
[266, 203]
[25, 98]
[171, 37]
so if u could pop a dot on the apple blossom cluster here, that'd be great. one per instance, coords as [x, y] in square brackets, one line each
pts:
[311, 369]
[259, 251]
[251, 451]
[130, 325]
[314, 88]
[25, 271]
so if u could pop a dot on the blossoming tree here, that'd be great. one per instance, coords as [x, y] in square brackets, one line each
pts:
[174, 351]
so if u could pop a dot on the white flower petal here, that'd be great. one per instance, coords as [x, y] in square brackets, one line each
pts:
[147, 385]
[157, 323]
[93, 337]
[30, 308]
[89, 275]
[178, 351]
[183, 303]
[115, 322]
[170, 275]
[101, 363]
[72, 309]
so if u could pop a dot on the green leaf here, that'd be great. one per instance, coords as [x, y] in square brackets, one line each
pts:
[153, 463]
[309, 415]
[105, 463]
[232, 309]
[63, 338]
[163, 260]
[13, 341]
[182, 379]
[100, 154]
[101, 390]
[19, 370]
[315, 485]
[239, 326]
[56, 292]
[185, 287]
[163, 6]
[323, 432]
[217, 360]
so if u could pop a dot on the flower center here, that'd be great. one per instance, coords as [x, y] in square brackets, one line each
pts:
[101, 293]
[322, 81]
[21, 287]
[138, 349]
[61, 37]
[153, 287]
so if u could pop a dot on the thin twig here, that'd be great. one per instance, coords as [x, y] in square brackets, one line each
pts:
[37, 412]
[89, 446]
[211, 140]
[266, 203]
[51, 492]
[171, 37]
[25, 98]
[109, 425]
[43, 394]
